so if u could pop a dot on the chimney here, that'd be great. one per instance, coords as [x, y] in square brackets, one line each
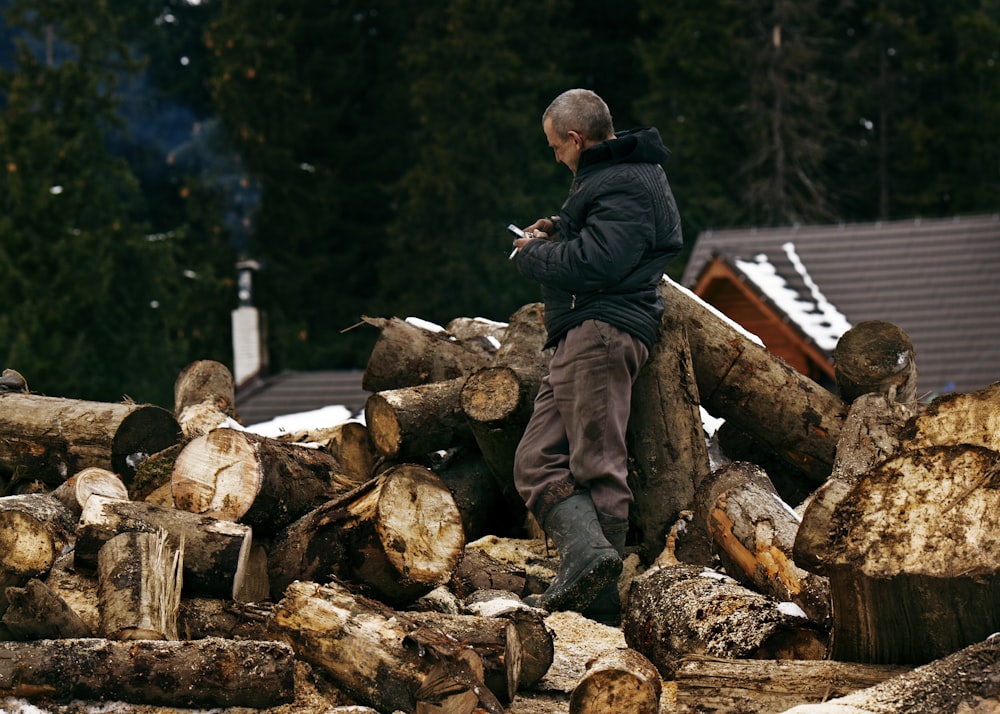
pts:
[249, 335]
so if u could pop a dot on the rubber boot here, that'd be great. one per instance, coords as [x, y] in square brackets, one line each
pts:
[587, 561]
[607, 605]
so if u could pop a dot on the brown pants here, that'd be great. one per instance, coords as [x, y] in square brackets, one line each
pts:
[575, 439]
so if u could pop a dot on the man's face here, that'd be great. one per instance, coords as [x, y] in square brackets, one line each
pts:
[567, 148]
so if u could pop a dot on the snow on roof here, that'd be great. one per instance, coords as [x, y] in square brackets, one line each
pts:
[818, 318]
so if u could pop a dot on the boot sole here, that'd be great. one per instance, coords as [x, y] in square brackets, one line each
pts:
[601, 572]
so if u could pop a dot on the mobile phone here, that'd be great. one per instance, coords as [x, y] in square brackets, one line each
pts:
[517, 232]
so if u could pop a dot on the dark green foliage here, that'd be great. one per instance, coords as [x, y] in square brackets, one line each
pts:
[369, 154]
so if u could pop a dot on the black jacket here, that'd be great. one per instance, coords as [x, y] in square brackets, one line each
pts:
[618, 230]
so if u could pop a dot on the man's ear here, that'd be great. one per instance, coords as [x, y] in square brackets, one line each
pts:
[577, 138]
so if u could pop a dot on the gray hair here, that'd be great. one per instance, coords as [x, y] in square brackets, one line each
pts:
[582, 111]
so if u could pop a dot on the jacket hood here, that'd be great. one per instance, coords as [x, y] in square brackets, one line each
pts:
[642, 145]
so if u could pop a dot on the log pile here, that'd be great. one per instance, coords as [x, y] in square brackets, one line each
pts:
[139, 546]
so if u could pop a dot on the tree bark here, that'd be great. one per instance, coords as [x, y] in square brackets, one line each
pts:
[74, 491]
[204, 398]
[966, 681]
[740, 381]
[411, 422]
[669, 456]
[679, 610]
[621, 680]
[239, 476]
[378, 655]
[754, 534]
[216, 551]
[348, 443]
[204, 673]
[497, 401]
[770, 686]
[399, 536]
[476, 492]
[37, 612]
[495, 639]
[34, 531]
[116, 437]
[876, 356]
[480, 571]
[911, 554]
[477, 331]
[406, 355]
[139, 586]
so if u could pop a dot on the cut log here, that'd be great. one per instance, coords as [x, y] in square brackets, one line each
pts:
[203, 673]
[621, 680]
[411, 422]
[537, 640]
[966, 681]
[139, 586]
[34, 531]
[406, 355]
[399, 536]
[684, 609]
[911, 552]
[876, 356]
[74, 491]
[116, 437]
[523, 343]
[871, 434]
[667, 449]
[754, 533]
[495, 639]
[770, 686]
[199, 618]
[205, 381]
[152, 479]
[349, 443]
[379, 656]
[497, 402]
[972, 418]
[216, 551]
[467, 329]
[476, 492]
[239, 476]
[740, 381]
[480, 571]
[37, 612]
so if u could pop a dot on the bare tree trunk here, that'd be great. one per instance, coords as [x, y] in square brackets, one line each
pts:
[201, 674]
[400, 536]
[37, 612]
[74, 491]
[34, 531]
[116, 437]
[740, 381]
[238, 476]
[139, 586]
[216, 552]
[679, 610]
[669, 456]
[754, 534]
[757, 686]
[911, 556]
[406, 355]
[621, 680]
[412, 422]
[378, 655]
[966, 681]
[876, 356]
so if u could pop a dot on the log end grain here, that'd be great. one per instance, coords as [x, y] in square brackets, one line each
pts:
[383, 426]
[420, 526]
[217, 474]
[491, 395]
[146, 430]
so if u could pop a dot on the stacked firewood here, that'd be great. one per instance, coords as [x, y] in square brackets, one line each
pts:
[815, 545]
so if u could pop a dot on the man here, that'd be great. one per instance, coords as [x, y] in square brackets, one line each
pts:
[599, 263]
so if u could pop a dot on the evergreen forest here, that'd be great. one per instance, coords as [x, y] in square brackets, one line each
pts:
[367, 155]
